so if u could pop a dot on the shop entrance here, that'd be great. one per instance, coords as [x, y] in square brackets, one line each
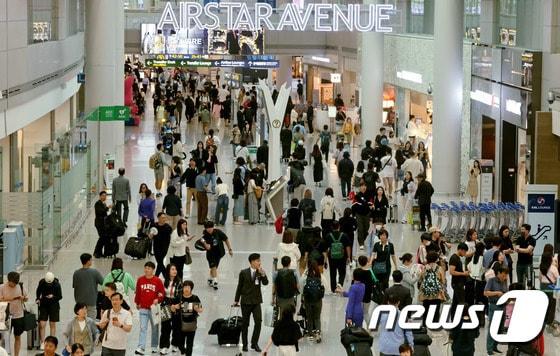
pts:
[509, 162]
[488, 138]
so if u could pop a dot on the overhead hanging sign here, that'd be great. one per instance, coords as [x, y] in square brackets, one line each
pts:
[212, 63]
[312, 17]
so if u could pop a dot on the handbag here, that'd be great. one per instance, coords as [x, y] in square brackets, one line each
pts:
[29, 318]
[165, 313]
[380, 267]
[270, 315]
[258, 192]
[199, 245]
[490, 273]
[377, 293]
[188, 326]
[188, 258]
[156, 314]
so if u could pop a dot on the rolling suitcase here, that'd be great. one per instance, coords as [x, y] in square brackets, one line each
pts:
[228, 330]
[137, 247]
[357, 341]
[33, 342]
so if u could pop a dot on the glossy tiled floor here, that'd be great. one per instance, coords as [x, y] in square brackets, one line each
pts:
[245, 239]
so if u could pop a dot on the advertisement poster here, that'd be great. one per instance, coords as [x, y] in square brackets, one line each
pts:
[233, 42]
[541, 214]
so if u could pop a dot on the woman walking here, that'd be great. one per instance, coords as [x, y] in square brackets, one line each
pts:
[316, 159]
[431, 285]
[191, 308]
[286, 334]
[178, 246]
[382, 254]
[313, 285]
[123, 280]
[238, 197]
[253, 205]
[380, 207]
[222, 202]
[355, 295]
[328, 211]
[407, 196]
[171, 319]
[81, 329]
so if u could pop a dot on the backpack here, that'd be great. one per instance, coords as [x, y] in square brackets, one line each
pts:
[313, 291]
[118, 280]
[337, 248]
[328, 212]
[431, 286]
[155, 161]
[368, 179]
[286, 284]
[315, 254]
[325, 138]
[476, 269]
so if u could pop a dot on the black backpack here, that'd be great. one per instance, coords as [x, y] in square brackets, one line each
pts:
[286, 284]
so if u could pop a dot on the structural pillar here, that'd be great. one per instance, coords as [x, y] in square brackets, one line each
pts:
[448, 96]
[284, 72]
[105, 78]
[371, 81]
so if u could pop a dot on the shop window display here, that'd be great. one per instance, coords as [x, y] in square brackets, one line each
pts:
[41, 19]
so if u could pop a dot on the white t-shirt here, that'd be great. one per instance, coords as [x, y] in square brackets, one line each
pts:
[222, 95]
[389, 165]
[116, 338]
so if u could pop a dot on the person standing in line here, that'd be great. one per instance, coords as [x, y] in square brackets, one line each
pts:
[222, 203]
[253, 204]
[172, 206]
[189, 178]
[249, 294]
[345, 173]
[495, 288]
[424, 195]
[201, 183]
[235, 138]
[149, 292]
[339, 255]
[82, 330]
[122, 195]
[48, 296]
[101, 210]
[13, 293]
[170, 329]
[191, 308]
[161, 242]
[458, 275]
[177, 247]
[117, 323]
[213, 241]
[262, 155]
[325, 142]
[85, 282]
[525, 248]
[157, 164]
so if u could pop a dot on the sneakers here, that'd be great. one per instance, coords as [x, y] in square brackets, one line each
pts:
[164, 351]
[139, 351]
[317, 334]
[42, 347]
[361, 247]
[210, 282]
[215, 285]
[174, 349]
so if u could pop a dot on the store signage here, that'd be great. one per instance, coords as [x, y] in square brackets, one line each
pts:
[321, 59]
[336, 78]
[410, 76]
[541, 214]
[221, 63]
[239, 16]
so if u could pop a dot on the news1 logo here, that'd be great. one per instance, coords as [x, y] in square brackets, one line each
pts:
[525, 323]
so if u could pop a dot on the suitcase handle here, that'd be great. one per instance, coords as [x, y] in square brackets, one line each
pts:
[237, 309]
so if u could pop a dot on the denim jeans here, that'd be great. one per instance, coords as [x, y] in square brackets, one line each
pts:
[491, 344]
[211, 178]
[346, 185]
[145, 318]
[221, 209]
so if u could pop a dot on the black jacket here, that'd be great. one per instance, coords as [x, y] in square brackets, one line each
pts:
[101, 211]
[44, 289]
[403, 293]
[424, 193]
[162, 240]
[345, 168]
[286, 136]
[189, 177]
[248, 290]
[262, 155]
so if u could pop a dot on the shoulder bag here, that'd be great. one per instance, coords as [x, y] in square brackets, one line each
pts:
[29, 318]
[188, 258]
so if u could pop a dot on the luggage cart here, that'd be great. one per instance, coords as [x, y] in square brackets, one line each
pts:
[446, 213]
[438, 212]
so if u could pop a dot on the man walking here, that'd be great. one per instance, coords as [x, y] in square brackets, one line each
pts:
[285, 286]
[85, 281]
[156, 163]
[122, 195]
[118, 324]
[424, 195]
[526, 245]
[345, 173]
[249, 292]
[149, 292]
[101, 210]
[189, 178]
[201, 197]
[458, 275]
[340, 248]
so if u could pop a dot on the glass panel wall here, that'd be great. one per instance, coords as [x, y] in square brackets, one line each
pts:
[42, 20]
[519, 23]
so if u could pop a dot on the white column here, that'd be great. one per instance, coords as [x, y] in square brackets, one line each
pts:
[371, 81]
[448, 96]
[104, 75]
[284, 72]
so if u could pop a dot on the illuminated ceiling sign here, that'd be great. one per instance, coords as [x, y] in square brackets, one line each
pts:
[312, 17]
[410, 76]
[336, 78]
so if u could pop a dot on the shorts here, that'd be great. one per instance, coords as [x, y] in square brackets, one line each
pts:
[18, 326]
[49, 313]
[213, 261]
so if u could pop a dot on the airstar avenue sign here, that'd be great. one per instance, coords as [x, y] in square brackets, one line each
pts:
[240, 16]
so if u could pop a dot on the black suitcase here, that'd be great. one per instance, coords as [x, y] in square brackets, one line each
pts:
[111, 247]
[33, 342]
[230, 329]
[137, 247]
[357, 341]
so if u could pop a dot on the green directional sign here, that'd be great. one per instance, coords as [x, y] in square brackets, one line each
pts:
[110, 113]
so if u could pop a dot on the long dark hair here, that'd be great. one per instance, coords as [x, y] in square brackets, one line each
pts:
[470, 234]
[478, 251]
[167, 277]
[316, 151]
[180, 231]
[546, 262]
[313, 270]
[501, 232]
